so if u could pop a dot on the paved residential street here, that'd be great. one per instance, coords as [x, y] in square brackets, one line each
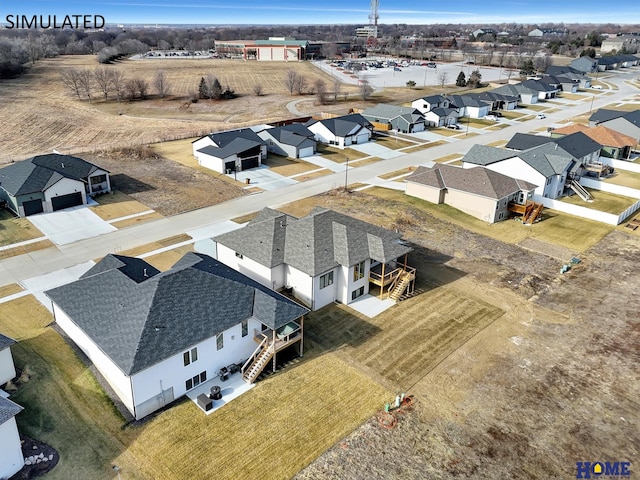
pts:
[40, 262]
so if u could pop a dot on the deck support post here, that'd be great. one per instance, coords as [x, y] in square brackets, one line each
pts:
[382, 282]
[302, 335]
[274, 350]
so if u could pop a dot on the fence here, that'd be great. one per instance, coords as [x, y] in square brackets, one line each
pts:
[621, 164]
[578, 211]
[618, 190]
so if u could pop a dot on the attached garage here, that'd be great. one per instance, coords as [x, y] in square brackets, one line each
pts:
[306, 152]
[31, 207]
[66, 201]
[248, 163]
[362, 138]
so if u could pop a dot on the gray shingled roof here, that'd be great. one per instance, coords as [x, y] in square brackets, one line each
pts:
[235, 147]
[468, 100]
[604, 115]
[479, 181]
[515, 90]
[434, 98]
[8, 409]
[344, 125]
[295, 134]
[484, 155]
[315, 243]
[539, 86]
[525, 141]
[138, 324]
[5, 342]
[38, 173]
[387, 111]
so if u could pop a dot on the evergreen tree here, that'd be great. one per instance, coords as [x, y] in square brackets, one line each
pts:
[203, 89]
[216, 90]
[461, 81]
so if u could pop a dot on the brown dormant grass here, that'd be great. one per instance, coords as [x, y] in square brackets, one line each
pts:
[117, 205]
[40, 114]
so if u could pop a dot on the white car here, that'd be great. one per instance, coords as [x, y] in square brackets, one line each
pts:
[491, 117]
[541, 116]
[597, 87]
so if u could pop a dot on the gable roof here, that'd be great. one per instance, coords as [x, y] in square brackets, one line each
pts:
[231, 142]
[496, 97]
[468, 100]
[600, 134]
[5, 342]
[294, 134]
[515, 90]
[8, 409]
[604, 115]
[138, 324]
[38, 173]
[539, 86]
[313, 244]
[576, 145]
[431, 99]
[485, 155]
[344, 125]
[524, 141]
[388, 112]
[479, 181]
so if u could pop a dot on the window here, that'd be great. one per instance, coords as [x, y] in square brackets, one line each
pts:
[196, 380]
[357, 293]
[219, 341]
[245, 328]
[358, 271]
[239, 255]
[190, 356]
[326, 280]
[98, 179]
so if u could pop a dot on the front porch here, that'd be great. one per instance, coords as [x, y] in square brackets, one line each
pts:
[393, 278]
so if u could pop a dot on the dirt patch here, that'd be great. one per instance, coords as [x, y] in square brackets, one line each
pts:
[549, 383]
[163, 185]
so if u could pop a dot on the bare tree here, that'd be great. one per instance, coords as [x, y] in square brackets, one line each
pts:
[85, 79]
[329, 50]
[365, 90]
[161, 83]
[102, 77]
[542, 63]
[321, 91]
[291, 81]
[257, 90]
[301, 84]
[118, 82]
[131, 88]
[337, 85]
[142, 86]
[443, 79]
[70, 78]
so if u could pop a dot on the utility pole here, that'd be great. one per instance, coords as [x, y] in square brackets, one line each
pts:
[346, 170]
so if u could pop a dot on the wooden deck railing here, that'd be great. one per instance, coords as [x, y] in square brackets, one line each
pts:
[378, 279]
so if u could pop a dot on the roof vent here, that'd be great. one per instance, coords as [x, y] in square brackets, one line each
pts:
[62, 164]
[144, 273]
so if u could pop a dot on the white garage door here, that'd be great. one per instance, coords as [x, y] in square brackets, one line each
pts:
[305, 152]
[362, 138]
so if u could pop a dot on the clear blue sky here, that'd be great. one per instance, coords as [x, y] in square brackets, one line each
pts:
[334, 11]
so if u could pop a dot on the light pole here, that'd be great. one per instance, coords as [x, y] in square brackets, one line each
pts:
[346, 170]
[425, 75]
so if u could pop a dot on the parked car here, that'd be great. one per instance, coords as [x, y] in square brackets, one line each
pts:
[454, 126]
[491, 117]
[597, 87]
[397, 69]
[496, 113]
[541, 115]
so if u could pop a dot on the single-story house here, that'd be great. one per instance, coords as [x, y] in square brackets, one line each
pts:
[51, 182]
[627, 123]
[555, 165]
[545, 90]
[525, 95]
[584, 64]
[230, 151]
[154, 335]
[583, 81]
[402, 119]
[293, 140]
[498, 101]
[321, 258]
[479, 192]
[546, 32]
[11, 459]
[341, 131]
[614, 144]
[470, 106]
[560, 83]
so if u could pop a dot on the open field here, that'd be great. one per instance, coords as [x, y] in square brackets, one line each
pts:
[161, 184]
[14, 229]
[43, 115]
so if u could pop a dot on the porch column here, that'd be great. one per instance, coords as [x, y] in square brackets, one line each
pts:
[274, 349]
[382, 282]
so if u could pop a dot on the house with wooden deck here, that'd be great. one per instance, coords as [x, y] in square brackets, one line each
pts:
[321, 258]
[155, 335]
[47, 183]
[482, 193]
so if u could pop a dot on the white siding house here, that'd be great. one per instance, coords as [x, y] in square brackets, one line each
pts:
[342, 131]
[11, 459]
[176, 329]
[321, 258]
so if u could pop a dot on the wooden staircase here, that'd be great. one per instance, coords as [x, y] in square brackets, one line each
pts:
[402, 281]
[258, 361]
[532, 214]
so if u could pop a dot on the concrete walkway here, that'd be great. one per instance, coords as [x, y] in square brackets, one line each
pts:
[48, 260]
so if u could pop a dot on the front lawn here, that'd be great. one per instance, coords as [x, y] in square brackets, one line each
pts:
[14, 229]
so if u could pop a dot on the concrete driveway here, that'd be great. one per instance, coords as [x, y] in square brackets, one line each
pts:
[70, 225]
[263, 178]
[376, 150]
[37, 285]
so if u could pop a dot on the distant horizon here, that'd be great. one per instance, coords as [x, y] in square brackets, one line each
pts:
[331, 12]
